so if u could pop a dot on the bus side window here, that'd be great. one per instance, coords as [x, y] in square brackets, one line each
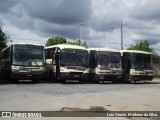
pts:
[0, 58]
[54, 52]
[128, 61]
[125, 60]
[49, 53]
[46, 54]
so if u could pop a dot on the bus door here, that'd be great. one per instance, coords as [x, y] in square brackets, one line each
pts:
[93, 62]
[58, 63]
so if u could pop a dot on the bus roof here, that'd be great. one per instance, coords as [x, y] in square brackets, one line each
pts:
[63, 46]
[135, 51]
[104, 49]
[26, 44]
[20, 44]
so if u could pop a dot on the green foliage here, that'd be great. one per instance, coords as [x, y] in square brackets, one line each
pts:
[3, 38]
[71, 43]
[143, 46]
[84, 44]
[62, 40]
[55, 41]
[79, 43]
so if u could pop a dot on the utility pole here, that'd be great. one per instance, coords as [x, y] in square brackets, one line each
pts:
[58, 30]
[80, 31]
[121, 35]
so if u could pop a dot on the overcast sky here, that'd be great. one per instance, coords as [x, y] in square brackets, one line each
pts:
[37, 20]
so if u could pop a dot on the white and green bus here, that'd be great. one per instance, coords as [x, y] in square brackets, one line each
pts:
[105, 65]
[66, 63]
[136, 65]
[23, 62]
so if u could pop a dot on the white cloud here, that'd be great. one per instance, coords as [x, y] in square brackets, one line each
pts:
[40, 19]
[22, 37]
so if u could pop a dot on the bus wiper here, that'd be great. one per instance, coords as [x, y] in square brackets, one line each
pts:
[115, 65]
[82, 62]
[35, 62]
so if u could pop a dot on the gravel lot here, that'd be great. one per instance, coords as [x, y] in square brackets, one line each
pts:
[47, 96]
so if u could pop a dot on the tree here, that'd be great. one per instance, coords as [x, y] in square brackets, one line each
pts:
[3, 38]
[84, 44]
[62, 40]
[55, 41]
[79, 43]
[143, 46]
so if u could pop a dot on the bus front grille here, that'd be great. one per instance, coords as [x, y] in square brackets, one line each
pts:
[76, 73]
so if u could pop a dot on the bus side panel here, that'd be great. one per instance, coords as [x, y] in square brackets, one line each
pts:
[50, 64]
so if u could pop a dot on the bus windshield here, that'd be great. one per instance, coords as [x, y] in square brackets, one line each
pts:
[109, 59]
[141, 61]
[27, 55]
[72, 57]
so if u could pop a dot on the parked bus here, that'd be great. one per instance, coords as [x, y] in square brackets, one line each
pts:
[66, 63]
[23, 62]
[106, 65]
[136, 65]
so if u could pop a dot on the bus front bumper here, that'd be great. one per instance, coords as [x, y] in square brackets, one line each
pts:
[105, 77]
[141, 77]
[28, 76]
[74, 76]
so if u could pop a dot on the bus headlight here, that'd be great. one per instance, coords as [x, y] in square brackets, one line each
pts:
[15, 69]
[98, 72]
[62, 69]
[85, 74]
[65, 74]
[42, 68]
[150, 73]
[134, 73]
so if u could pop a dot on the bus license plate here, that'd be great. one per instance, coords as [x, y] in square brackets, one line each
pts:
[29, 75]
[101, 77]
[76, 76]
